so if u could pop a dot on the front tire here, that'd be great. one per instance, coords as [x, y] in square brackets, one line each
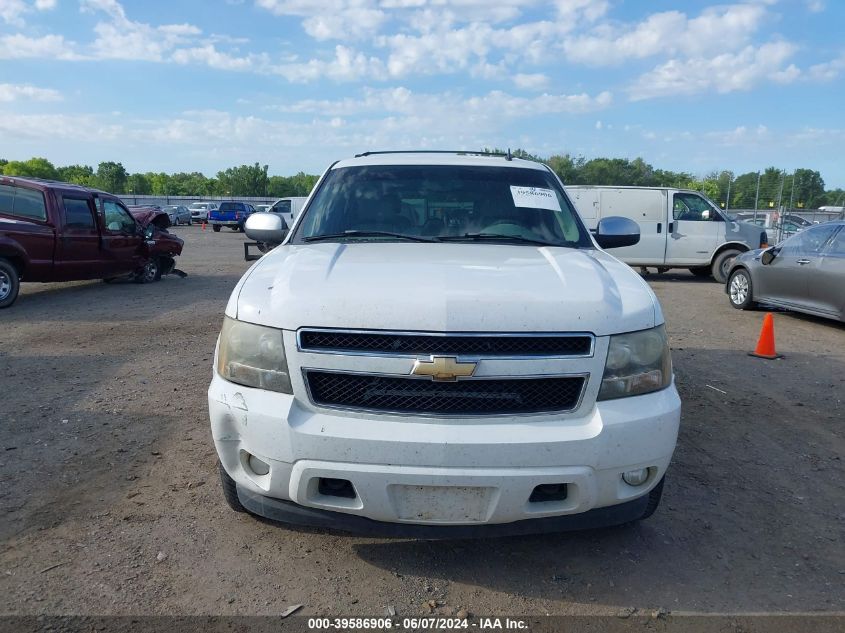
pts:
[150, 272]
[740, 290]
[722, 264]
[230, 490]
[10, 283]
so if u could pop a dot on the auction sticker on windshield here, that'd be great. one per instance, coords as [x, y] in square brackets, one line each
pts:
[535, 198]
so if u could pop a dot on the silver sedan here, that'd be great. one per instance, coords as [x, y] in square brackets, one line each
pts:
[178, 214]
[805, 273]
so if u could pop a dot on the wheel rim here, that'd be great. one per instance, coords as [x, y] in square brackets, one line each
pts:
[5, 285]
[739, 289]
[150, 271]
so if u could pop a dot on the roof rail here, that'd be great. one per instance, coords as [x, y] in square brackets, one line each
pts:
[506, 156]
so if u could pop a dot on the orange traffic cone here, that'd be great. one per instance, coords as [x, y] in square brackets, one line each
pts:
[766, 343]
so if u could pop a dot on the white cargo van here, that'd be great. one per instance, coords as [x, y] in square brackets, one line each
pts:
[288, 208]
[439, 347]
[679, 228]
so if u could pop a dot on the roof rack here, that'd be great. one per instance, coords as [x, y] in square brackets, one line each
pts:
[506, 155]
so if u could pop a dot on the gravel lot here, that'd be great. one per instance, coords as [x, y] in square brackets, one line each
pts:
[110, 501]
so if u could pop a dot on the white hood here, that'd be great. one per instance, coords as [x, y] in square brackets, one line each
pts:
[444, 288]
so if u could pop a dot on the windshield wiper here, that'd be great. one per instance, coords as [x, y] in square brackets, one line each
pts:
[478, 237]
[353, 233]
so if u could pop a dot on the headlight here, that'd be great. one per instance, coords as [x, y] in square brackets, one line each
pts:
[253, 355]
[637, 363]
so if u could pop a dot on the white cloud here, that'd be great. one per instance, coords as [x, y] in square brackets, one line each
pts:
[15, 92]
[727, 72]
[13, 11]
[531, 81]
[828, 71]
[353, 23]
[122, 38]
[346, 65]
[59, 127]
[815, 6]
[672, 32]
[449, 105]
[19, 46]
[741, 136]
[209, 56]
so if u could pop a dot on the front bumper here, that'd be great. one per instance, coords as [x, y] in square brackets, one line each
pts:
[294, 514]
[436, 472]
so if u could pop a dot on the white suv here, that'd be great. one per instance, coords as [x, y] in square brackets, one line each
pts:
[440, 347]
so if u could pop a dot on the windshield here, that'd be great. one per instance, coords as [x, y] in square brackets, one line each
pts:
[442, 203]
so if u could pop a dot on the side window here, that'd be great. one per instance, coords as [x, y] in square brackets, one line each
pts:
[7, 199]
[21, 202]
[809, 241]
[117, 218]
[837, 246]
[282, 206]
[690, 207]
[77, 213]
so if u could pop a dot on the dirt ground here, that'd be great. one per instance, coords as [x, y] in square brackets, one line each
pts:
[110, 502]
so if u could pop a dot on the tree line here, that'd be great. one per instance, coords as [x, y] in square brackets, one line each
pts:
[772, 187]
[244, 180]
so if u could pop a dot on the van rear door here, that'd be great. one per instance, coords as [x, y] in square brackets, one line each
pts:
[697, 229]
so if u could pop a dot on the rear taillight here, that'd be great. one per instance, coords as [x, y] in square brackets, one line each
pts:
[237, 216]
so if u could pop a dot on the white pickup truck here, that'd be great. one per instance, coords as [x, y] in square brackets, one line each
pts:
[439, 347]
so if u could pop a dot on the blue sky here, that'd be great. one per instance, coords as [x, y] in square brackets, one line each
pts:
[202, 85]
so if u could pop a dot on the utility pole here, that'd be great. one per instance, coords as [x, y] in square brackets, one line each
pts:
[780, 207]
[728, 200]
[757, 196]
[792, 191]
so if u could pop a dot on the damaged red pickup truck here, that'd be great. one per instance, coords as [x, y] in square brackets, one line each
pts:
[55, 231]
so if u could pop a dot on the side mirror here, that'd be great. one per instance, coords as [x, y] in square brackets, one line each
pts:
[768, 256]
[616, 232]
[268, 228]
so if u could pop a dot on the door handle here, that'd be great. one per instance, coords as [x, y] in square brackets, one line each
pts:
[659, 227]
[803, 261]
[671, 227]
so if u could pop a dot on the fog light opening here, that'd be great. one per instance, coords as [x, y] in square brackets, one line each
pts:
[257, 466]
[636, 477]
[330, 487]
[548, 492]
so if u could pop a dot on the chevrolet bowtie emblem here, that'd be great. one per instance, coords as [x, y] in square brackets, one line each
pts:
[446, 368]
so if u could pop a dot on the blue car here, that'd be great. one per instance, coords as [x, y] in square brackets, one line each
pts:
[231, 214]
